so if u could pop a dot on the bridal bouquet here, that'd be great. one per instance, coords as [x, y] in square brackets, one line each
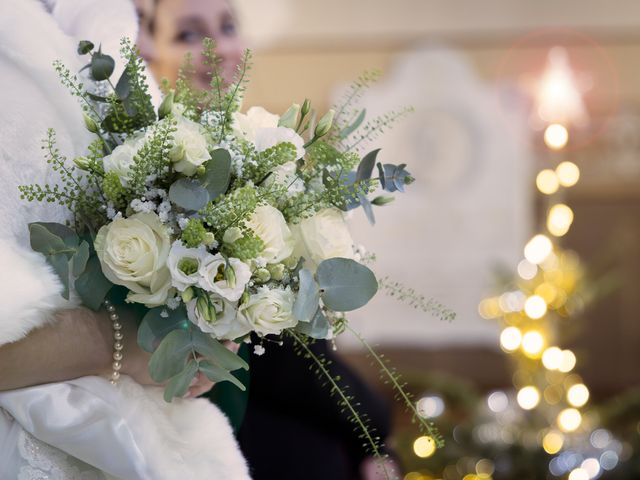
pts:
[220, 223]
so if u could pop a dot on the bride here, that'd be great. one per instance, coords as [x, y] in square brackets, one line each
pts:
[85, 428]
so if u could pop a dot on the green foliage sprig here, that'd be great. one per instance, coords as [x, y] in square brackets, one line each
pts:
[414, 299]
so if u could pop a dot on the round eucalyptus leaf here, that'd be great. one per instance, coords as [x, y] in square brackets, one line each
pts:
[178, 385]
[101, 66]
[345, 284]
[217, 174]
[317, 328]
[188, 194]
[157, 323]
[308, 297]
[171, 356]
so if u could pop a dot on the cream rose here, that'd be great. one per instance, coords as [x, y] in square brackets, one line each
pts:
[323, 236]
[185, 263]
[228, 325]
[190, 148]
[266, 138]
[246, 125]
[269, 224]
[133, 253]
[215, 277]
[120, 160]
[269, 311]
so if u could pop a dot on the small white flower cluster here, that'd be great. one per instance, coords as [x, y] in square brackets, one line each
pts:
[154, 200]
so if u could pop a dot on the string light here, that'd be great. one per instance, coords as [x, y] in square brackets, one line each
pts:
[424, 446]
[532, 343]
[556, 136]
[552, 358]
[510, 338]
[567, 174]
[559, 220]
[567, 362]
[553, 442]
[538, 249]
[535, 307]
[578, 395]
[569, 419]
[528, 397]
[547, 182]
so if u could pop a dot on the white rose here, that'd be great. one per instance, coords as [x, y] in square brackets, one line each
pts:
[215, 278]
[190, 149]
[323, 236]
[269, 311]
[133, 253]
[286, 175]
[246, 125]
[269, 224]
[269, 137]
[120, 160]
[228, 325]
[185, 263]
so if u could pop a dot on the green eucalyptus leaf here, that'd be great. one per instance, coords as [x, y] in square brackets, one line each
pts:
[92, 285]
[97, 98]
[171, 356]
[178, 385]
[308, 297]
[102, 66]
[317, 328]
[154, 327]
[60, 264]
[80, 259]
[219, 374]
[365, 168]
[217, 174]
[84, 47]
[188, 194]
[345, 132]
[345, 284]
[215, 351]
[123, 87]
[47, 242]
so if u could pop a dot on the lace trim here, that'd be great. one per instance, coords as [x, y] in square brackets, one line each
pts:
[48, 463]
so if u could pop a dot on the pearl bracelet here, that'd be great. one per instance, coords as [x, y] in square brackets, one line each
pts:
[117, 345]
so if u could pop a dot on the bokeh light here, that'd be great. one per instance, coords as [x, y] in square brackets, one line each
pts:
[497, 401]
[532, 343]
[556, 136]
[547, 181]
[559, 219]
[538, 249]
[535, 307]
[568, 361]
[579, 474]
[578, 395]
[569, 419]
[552, 358]
[430, 406]
[424, 446]
[567, 174]
[510, 338]
[552, 442]
[528, 397]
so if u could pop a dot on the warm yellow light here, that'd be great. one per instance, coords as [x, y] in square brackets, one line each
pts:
[578, 395]
[527, 270]
[552, 442]
[489, 308]
[510, 338]
[532, 343]
[535, 307]
[538, 249]
[579, 474]
[424, 446]
[552, 358]
[547, 181]
[568, 361]
[528, 397]
[559, 220]
[567, 174]
[569, 419]
[556, 136]
[547, 291]
[485, 468]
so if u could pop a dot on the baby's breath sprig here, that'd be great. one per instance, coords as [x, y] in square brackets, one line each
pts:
[376, 127]
[346, 402]
[390, 375]
[414, 299]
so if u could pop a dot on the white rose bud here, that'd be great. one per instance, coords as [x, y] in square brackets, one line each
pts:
[190, 149]
[324, 125]
[323, 236]
[290, 118]
[269, 224]
[223, 323]
[269, 311]
[133, 253]
[90, 123]
[167, 105]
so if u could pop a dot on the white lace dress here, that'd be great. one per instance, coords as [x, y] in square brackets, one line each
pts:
[85, 428]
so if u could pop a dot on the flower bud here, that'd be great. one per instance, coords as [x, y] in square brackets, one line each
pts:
[382, 200]
[324, 125]
[167, 105]
[290, 118]
[231, 235]
[230, 275]
[200, 170]
[187, 295]
[90, 123]
[306, 107]
[408, 180]
[262, 275]
[276, 270]
[81, 162]
[209, 239]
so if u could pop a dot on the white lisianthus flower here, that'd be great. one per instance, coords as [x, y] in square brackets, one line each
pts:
[185, 264]
[269, 310]
[323, 236]
[120, 160]
[216, 277]
[269, 224]
[269, 137]
[190, 148]
[246, 125]
[228, 325]
[133, 253]
[286, 176]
